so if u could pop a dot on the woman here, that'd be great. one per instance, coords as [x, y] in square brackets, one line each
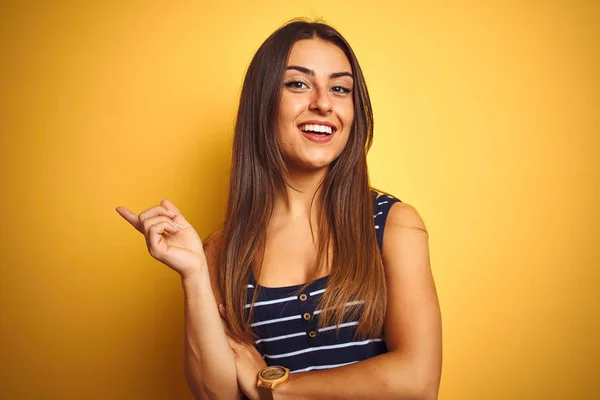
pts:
[302, 273]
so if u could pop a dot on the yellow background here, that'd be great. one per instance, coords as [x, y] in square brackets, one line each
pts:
[487, 121]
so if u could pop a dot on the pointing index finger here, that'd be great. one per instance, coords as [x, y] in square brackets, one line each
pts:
[129, 216]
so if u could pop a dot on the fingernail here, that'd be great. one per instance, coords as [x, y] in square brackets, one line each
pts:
[171, 213]
[177, 225]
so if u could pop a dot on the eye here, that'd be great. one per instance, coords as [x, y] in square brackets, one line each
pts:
[296, 85]
[341, 89]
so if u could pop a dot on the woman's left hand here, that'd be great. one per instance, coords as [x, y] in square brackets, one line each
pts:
[248, 362]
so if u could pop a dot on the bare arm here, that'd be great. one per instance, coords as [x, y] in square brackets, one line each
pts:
[412, 367]
[209, 364]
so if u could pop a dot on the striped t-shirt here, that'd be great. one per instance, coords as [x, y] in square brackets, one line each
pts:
[285, 321]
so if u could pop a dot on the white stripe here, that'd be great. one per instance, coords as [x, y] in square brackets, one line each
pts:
[379, 213]
[345, 324]
[350, 303]
[272, 339]
[291, 335]
[272, 321]
[322, 367]
[262, 303]
[383, 202]
[333, 346]
[376, 226]
[250, 286]
[316, 292]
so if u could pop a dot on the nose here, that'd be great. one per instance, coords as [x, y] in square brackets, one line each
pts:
[320, 101]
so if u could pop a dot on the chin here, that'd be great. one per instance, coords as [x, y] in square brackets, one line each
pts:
[318, 165]
[308, 165]
[310, 161]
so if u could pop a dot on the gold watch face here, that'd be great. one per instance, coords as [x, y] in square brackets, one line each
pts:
[272, 373]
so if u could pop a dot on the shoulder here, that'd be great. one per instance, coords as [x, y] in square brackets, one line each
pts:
[405, 244]
[405, 215]
[401, 213]
[405, 238]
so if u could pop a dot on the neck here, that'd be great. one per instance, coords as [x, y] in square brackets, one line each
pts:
[303, 186]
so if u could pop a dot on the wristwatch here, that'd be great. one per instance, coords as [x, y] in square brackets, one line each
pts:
[273, 377]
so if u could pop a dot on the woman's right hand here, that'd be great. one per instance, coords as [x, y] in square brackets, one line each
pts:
[169, 237]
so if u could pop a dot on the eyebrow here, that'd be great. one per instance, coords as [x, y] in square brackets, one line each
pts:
[312, 73]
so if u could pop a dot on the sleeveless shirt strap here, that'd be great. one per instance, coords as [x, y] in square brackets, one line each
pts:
[382, 206]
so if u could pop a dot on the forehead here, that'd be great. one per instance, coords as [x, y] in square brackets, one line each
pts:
[320, 56]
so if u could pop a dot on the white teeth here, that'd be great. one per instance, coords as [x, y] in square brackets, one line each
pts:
[317, 128]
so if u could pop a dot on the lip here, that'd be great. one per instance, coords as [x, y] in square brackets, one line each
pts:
[316, 122]
[314, 137]
[317, 138]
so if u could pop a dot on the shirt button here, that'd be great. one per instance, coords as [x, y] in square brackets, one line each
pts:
[306, 316]
[303, 297]
[312, 334]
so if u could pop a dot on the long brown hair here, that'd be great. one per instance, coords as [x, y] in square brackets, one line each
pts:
[258, 175]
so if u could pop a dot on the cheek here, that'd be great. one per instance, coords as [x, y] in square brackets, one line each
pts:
[351, 116]
[283, 130]
[290, 107]
[348, 116]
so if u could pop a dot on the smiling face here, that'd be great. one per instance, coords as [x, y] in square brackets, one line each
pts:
[316, 99]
